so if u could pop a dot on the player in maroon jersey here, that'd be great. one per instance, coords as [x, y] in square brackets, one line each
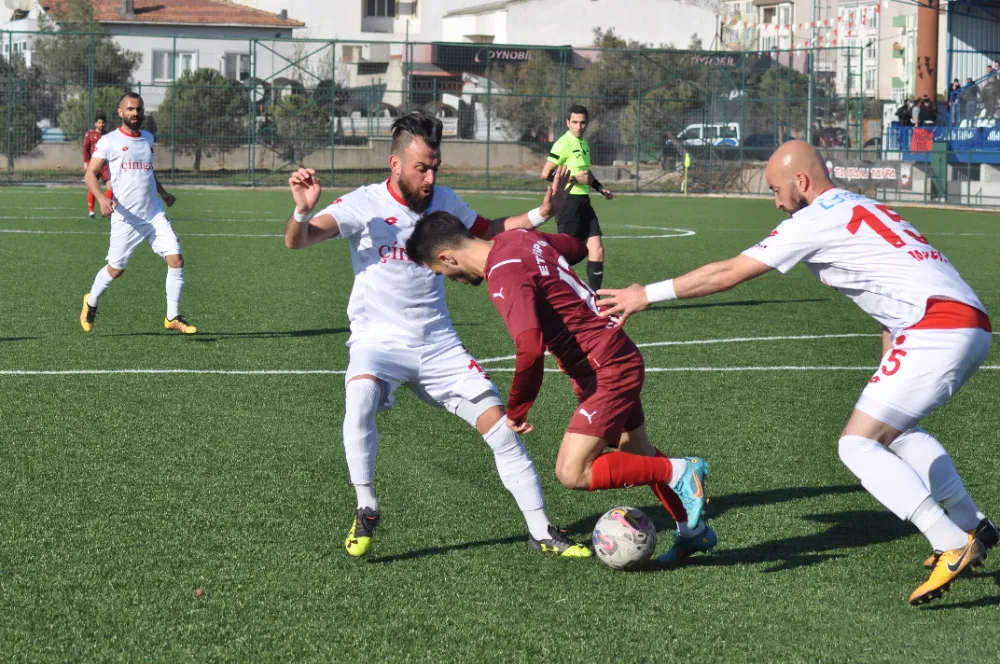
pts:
[546, 306]
[89, 145]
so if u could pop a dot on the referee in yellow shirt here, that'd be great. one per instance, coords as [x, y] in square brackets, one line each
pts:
[578, 217]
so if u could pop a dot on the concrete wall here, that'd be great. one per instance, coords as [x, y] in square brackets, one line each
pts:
[68, 157]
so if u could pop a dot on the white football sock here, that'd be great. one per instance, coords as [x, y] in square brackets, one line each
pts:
[518, 474]
[884, 475]
[924, 454]
[366, 496]
[360, 435]
[175, 289]
[939, 530]
[678, 468]
[101, 283]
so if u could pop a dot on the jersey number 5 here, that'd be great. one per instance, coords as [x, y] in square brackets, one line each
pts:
[863, 215]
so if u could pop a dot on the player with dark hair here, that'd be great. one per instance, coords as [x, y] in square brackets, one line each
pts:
[546, 306]
[578, 218]
[136, 212]
[401, 332]
[90, 140]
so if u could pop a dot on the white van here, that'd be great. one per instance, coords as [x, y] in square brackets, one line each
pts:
[711, 134]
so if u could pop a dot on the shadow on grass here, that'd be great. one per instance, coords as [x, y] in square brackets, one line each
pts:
[741, 303]
[993, 600]
[3, 339]
[852, 529]
[291, 334]
[439, 550]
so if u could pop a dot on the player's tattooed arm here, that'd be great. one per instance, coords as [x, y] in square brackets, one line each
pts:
[167, 197]
[705, 280]
[552, 204]
[306, 230]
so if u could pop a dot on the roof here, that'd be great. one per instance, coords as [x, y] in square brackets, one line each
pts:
[482, 9]
[184, 12]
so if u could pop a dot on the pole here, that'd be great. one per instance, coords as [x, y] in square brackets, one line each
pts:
[638, 122]
[743, 117]
[489, 94]
[333, 108]
[173, 123]
[810, 68]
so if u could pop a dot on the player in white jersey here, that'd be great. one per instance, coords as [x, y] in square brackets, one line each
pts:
[401, 332]
[935, 335]
[136, 212]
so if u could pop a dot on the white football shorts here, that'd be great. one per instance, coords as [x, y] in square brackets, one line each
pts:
[921, 372]
[126, 236]
[444, 375]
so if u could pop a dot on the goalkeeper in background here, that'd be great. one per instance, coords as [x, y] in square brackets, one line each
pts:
[578, 217]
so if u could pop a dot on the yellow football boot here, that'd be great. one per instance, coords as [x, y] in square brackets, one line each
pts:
[180, 325]
[359, 539]
[949, 566]
[87, 314]
[987, 534]
[560, 544]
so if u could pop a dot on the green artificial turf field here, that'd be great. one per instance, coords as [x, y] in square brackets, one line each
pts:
[124, 492]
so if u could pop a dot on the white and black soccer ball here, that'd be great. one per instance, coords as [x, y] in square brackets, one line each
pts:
[624, 538]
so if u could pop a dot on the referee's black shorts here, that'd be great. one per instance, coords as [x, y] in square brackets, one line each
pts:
[578, 218]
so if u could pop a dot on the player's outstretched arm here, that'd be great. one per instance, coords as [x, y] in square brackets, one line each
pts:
[94, 185]
[302, 229]
[705, 280]
[552, 204]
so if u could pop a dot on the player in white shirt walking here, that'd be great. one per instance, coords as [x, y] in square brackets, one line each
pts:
[401, 332]
[935, 335]
[136, 212]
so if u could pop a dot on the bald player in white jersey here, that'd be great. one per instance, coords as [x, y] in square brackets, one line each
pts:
[401, 332]
[935, 335]
[136, 212]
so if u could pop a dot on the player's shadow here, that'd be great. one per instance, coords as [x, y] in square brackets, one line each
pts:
[3, 339]
[993, 600]
[288, 334]
[449, 548]
[740, 303]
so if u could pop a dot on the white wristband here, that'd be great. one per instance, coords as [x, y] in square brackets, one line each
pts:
[301, 218]
[661, 291]
[535, 217]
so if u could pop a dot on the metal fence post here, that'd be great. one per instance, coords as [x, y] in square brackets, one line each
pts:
[743, 119]
[638, 121]
[173, 117]
[489, 122]
[333, 109]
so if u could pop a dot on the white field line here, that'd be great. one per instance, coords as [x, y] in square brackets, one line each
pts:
[733, 340]
[332, 372]
[27, 232]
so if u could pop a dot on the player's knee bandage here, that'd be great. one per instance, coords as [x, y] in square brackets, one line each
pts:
[471, 410]
[360, 435]
[925, 455]
[517, 471]
[884, 475]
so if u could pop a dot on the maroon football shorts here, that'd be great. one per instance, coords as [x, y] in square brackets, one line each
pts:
[609, 397]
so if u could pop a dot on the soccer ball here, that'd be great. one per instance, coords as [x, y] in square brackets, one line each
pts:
[624, 538]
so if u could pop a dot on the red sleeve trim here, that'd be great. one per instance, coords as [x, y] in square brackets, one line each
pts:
[528, 374]
[480, 227]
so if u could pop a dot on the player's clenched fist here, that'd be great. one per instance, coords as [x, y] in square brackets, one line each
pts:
[107, 206]
[306, 189]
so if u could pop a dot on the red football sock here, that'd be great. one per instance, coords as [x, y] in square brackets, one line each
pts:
[90, 200]
[618, 470]
[107, 193]
[670, 500]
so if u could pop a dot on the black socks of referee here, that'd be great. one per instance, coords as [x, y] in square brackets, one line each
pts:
[595, 274]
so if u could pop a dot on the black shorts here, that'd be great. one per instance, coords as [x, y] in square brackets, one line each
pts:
[578, 218]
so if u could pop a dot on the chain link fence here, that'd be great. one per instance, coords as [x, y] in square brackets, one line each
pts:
[245, 112]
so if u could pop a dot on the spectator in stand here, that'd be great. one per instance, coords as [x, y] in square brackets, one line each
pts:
[915, 107]
[927, 115]
[989, 94]
[970, 100]
[954, 101]
[904, 114]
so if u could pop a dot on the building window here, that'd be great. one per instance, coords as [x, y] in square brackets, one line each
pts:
[786, 15]
[870, 50]
[870, 76]
[236, 66]
[769, 15]
[168, 65]
[383, 8]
